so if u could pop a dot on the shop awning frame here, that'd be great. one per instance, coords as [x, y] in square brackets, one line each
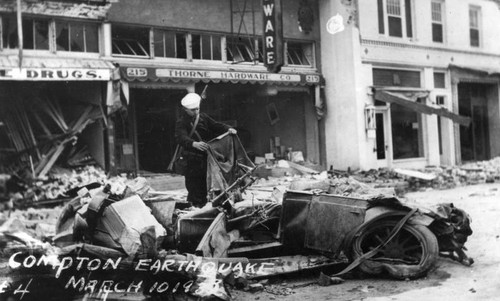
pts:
[177, 75]
[408, 97]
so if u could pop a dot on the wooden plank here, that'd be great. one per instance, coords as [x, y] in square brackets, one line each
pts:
[51, 114]
[41, 123]
[258, 247]
[415, 174]
[57, 114]
[53, 159]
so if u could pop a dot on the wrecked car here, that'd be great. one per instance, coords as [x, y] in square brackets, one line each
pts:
[376, 235]
[120, 236]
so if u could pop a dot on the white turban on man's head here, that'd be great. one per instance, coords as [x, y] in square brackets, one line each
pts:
[191, 101]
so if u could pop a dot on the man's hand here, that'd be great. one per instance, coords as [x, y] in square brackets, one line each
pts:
[232, 131]
[201, 146]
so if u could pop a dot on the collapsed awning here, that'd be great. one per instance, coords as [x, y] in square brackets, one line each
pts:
[60, 69]
[408, 99]
[175, 75]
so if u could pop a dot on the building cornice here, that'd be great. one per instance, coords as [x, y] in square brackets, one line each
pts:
[369, 42]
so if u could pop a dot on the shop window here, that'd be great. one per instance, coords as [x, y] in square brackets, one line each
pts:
[439, 80]
[170, 44]
[299, 53]
[206, 47]
[474, 30]
[395, 18]
[130, 41]
[407, 138]
[241, 50]
[394, 77]
[77, 37]
[35, 33]
[437, 21]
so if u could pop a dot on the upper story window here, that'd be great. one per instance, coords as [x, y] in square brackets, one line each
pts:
[170, 44]
[396, 77]
[130, 41]
[439, 80]
[474, 25]
[206, 47]
[299, 53]
[35, 33]
[395, 18]
[437, 21]
[242, 50]
[53, 35]
[77, 37]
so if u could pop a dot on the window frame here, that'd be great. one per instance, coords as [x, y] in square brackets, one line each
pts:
[32, 20]
[445, 79]
[311, 60]
[403, 15]
[441, 22]
[476, 9]
[145, 48]
[246, 43]
[85, 52]
[177, 34]
[213, 42]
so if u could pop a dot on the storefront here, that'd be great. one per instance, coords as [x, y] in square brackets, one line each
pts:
[53, 112]
[475, 93]
[412, 124]
[273, 112]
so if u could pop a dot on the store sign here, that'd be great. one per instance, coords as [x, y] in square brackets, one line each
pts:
[225, 75]
[272, 35]
[165, 74]
[55, 74]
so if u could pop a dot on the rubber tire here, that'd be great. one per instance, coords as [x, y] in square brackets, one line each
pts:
[427, 241]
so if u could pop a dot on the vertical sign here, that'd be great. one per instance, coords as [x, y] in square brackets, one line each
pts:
[272, 35]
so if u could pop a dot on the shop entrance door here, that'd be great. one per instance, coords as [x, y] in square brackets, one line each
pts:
[155, 116]
[474, 140]
[382, 146]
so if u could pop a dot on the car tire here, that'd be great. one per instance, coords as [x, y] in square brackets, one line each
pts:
[410, 254]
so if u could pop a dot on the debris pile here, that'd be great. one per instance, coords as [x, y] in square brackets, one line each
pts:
[442, 177]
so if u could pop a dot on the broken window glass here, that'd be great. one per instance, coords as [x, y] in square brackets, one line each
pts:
[299, 53]
[240, 49]
[130, 41]
[77, 37]
[35, 33]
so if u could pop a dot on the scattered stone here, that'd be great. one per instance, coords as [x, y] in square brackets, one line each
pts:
[255, 287]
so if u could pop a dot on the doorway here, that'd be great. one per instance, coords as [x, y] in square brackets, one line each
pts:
[155, 115]
[382, 147]
[474, 140]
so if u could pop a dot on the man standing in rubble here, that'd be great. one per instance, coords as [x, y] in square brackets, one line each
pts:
[195, 146]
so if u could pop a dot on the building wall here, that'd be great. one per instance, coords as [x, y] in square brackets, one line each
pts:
[349, 56]
[206, 15]
[341, 64]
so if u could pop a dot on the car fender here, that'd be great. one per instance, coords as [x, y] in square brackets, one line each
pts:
[379, 213]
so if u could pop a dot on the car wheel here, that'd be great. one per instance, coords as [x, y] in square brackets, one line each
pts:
[410, 254]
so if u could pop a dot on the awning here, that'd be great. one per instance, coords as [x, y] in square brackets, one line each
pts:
[407, 98]
[489, 71]
[175, 75]
[60, 69]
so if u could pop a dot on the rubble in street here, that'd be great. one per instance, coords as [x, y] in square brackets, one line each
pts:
[88, 194]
